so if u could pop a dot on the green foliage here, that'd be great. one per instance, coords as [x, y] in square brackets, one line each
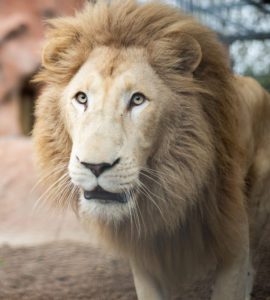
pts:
[1, 262]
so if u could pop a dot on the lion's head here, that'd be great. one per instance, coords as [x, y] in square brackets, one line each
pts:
[136, 111]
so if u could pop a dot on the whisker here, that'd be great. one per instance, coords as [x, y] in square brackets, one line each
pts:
[60, 181]
[73, 193]
[159, 174]
[47, 175]
[138, 212]
[145, 191]
[164, 181]
[62, 200]
[154, 195]
[137, 219]
[130, 214]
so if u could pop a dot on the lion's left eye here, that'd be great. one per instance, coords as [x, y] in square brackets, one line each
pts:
[137, 99]
[81, 98]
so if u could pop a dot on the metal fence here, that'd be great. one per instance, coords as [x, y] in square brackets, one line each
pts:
[232, 19]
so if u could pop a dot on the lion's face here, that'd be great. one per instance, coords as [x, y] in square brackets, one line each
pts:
[112, 108]
[138, 102]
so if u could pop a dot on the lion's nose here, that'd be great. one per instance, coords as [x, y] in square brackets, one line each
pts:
[98, 169]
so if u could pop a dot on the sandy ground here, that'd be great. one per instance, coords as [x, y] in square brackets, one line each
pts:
[71, 271]
[62, 270]
[45, 256]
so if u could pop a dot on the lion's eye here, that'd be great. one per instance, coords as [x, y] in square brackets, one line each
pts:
[137, 99]
[81, 98]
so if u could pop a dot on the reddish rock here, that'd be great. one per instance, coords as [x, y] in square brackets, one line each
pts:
[21, 36]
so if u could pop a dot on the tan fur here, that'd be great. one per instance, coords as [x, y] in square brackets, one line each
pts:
[211, 147]
[255, 137]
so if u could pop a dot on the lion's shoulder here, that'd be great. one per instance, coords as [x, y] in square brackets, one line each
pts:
[254, 116]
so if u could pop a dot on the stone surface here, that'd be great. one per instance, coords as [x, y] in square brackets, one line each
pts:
[22, 25]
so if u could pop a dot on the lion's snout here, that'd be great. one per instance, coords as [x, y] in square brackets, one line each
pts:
[98, 168]
[112, 178]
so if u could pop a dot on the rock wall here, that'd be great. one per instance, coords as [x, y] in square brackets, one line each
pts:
[22, 25]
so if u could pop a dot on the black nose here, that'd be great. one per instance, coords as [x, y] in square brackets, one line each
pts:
[98, 169]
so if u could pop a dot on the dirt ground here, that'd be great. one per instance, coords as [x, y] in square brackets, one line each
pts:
[75, 271]
[49, 258]
[62, 270]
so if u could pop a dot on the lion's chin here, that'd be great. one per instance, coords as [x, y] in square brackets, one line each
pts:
[105, 197]
[105, 206]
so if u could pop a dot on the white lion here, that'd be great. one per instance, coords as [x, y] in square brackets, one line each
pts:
[164, 146]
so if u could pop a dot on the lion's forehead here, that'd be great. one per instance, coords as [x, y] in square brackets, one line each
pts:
[110, 74]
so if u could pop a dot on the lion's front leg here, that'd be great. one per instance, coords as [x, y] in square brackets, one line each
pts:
[146, 286]
[232, 280]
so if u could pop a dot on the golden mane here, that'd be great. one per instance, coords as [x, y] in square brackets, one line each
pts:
[217, 204]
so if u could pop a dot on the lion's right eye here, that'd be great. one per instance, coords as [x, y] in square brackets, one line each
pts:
[137, 99]
[81, 98]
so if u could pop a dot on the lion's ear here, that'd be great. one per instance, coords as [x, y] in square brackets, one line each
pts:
[179, 52]
[63, 52]
[50, 54]
[189, 55]
[61, 36]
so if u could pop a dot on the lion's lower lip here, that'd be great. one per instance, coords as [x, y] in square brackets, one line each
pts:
[104, 195]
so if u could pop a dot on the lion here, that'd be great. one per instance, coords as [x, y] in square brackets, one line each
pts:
[162, 152]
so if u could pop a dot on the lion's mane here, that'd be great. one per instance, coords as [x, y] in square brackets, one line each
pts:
[212, 208]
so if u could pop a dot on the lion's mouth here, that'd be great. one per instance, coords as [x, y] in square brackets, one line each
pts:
[105, 196]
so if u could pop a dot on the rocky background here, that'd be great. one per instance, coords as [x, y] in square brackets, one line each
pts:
[46, 255]
[22, 25]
